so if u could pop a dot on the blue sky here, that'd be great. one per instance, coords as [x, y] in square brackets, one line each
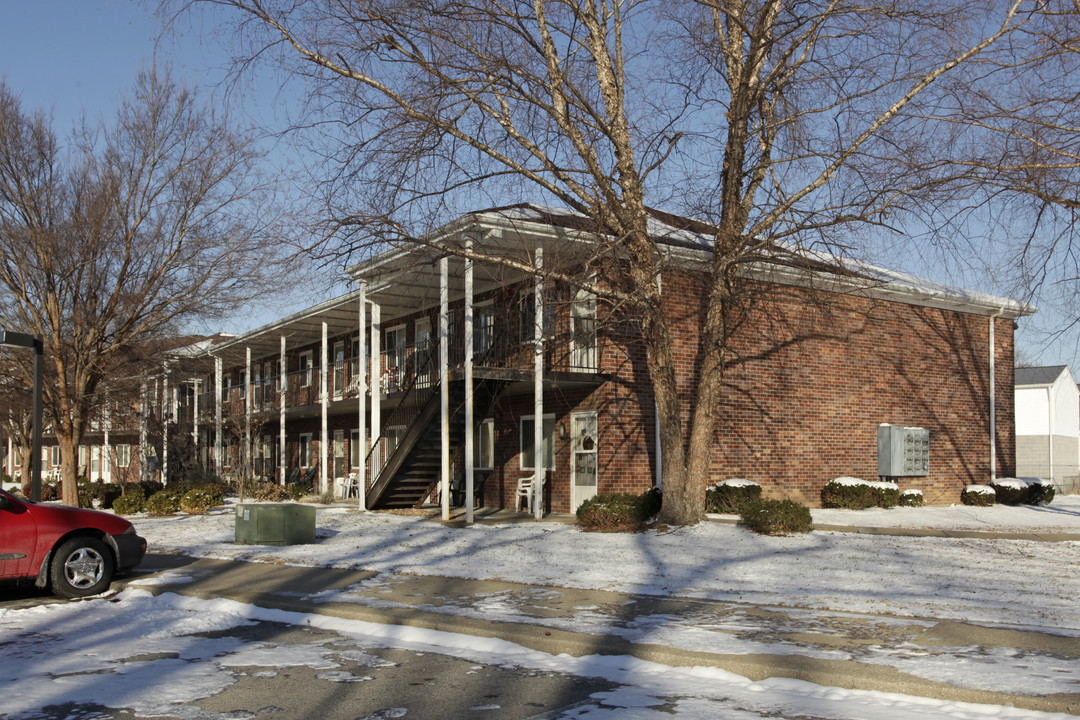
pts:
[74, 57]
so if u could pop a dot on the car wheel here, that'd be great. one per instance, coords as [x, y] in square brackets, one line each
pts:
[82, 566]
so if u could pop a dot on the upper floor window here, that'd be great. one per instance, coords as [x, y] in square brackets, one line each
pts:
[305, 370]
[527, 315]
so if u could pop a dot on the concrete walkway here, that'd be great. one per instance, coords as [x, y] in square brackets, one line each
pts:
[830, 649]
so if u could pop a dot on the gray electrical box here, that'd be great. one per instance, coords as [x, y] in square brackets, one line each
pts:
[278, 524]
[903, 451]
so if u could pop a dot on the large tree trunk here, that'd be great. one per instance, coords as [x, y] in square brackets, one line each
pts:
[69, 470]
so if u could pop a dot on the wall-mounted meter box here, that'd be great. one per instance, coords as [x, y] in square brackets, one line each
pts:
[903, 451]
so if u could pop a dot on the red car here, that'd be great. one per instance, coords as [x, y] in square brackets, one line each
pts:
[72, 551]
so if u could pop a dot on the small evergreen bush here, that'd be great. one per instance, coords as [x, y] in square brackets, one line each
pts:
[129, 503]
[296, 490]
[1040, 491]
[776, 517]
[106, 494]
[849, 493]
[162, 503]
[911, 498]
[197, 501]
[730, 495]
[1010, 491]
[978, 495]
[887, 494]
[619, 512]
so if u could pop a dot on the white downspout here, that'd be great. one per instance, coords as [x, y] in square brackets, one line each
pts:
[993, 399]
[1050, 431]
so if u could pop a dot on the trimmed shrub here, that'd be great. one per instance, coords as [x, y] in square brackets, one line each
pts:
[911, 498]
[848, 493]
[48, 492]
[1040, 491]
[162, 503]
[1010, 491]
[197, 501]
[619, 512]
[129, 504]
[86, 500]
[106, 494]
[776, 517]
[979, 495]
[887, 494]
[272, 492]
[729, 496]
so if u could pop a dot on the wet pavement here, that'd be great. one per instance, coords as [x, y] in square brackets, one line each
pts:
[916, 656]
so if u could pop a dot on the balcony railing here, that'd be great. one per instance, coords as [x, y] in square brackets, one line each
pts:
[411, 366]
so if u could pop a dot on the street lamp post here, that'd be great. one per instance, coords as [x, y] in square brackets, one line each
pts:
[34, 342]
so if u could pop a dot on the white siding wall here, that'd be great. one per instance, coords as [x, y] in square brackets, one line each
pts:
[1032, 411]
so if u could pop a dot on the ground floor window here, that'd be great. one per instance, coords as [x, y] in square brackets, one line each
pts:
[123, 456]
[484, 445]
[56, 455]
[305, 450]
[528, 453]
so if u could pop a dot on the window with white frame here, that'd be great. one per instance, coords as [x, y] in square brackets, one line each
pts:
[484, 445]
[306, 358]
[483, 327]
[527, 315]
[55, 455]
[305, 450]
[123, 456]
[528, 454]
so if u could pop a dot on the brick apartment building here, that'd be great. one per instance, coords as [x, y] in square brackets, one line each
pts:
[351, 387]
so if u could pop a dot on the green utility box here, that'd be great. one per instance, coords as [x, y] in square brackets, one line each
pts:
[279, 524]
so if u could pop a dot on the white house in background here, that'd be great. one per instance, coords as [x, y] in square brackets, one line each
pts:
[1048, 426]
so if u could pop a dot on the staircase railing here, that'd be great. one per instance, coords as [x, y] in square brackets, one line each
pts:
[418, 380]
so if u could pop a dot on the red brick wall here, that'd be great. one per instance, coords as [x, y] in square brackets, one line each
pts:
[811, 377]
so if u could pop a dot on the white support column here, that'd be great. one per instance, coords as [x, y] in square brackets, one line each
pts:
[361, 394]
[658, 471]
[143, 409]
[376, 387]
[444, 388]
[324, 398]
[195, 421]
[248, 468]
[166, 419]
[470, 461]
[218, 465]
[106, 448]
[283, 385]
[538, 388]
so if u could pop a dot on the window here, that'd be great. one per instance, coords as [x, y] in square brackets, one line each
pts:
[339, 369]
[484, 445]
[583, 331]
[527, 315]
[123, 456]
[305, 450]
[55, 455]
[243, 383]
[483, 327]
[305, 368]
[527, 449]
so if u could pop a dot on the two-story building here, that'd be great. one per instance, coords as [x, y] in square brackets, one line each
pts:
[428, 380]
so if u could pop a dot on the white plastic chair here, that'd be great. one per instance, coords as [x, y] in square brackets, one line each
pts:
[350, 486]
[524, 492]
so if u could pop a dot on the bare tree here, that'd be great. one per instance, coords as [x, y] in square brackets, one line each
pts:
[784, 124]
[129, 233]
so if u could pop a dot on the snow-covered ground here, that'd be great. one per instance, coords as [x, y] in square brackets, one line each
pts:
[1015, 583]
[981, 580]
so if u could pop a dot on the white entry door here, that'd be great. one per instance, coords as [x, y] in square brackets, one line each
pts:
[583, 428]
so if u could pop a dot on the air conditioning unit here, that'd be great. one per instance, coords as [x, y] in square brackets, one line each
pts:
[903, 451]
[275, 524]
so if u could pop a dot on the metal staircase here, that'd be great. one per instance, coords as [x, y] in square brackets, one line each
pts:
[411, 472]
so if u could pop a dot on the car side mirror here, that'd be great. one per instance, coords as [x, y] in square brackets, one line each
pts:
[4, 502]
